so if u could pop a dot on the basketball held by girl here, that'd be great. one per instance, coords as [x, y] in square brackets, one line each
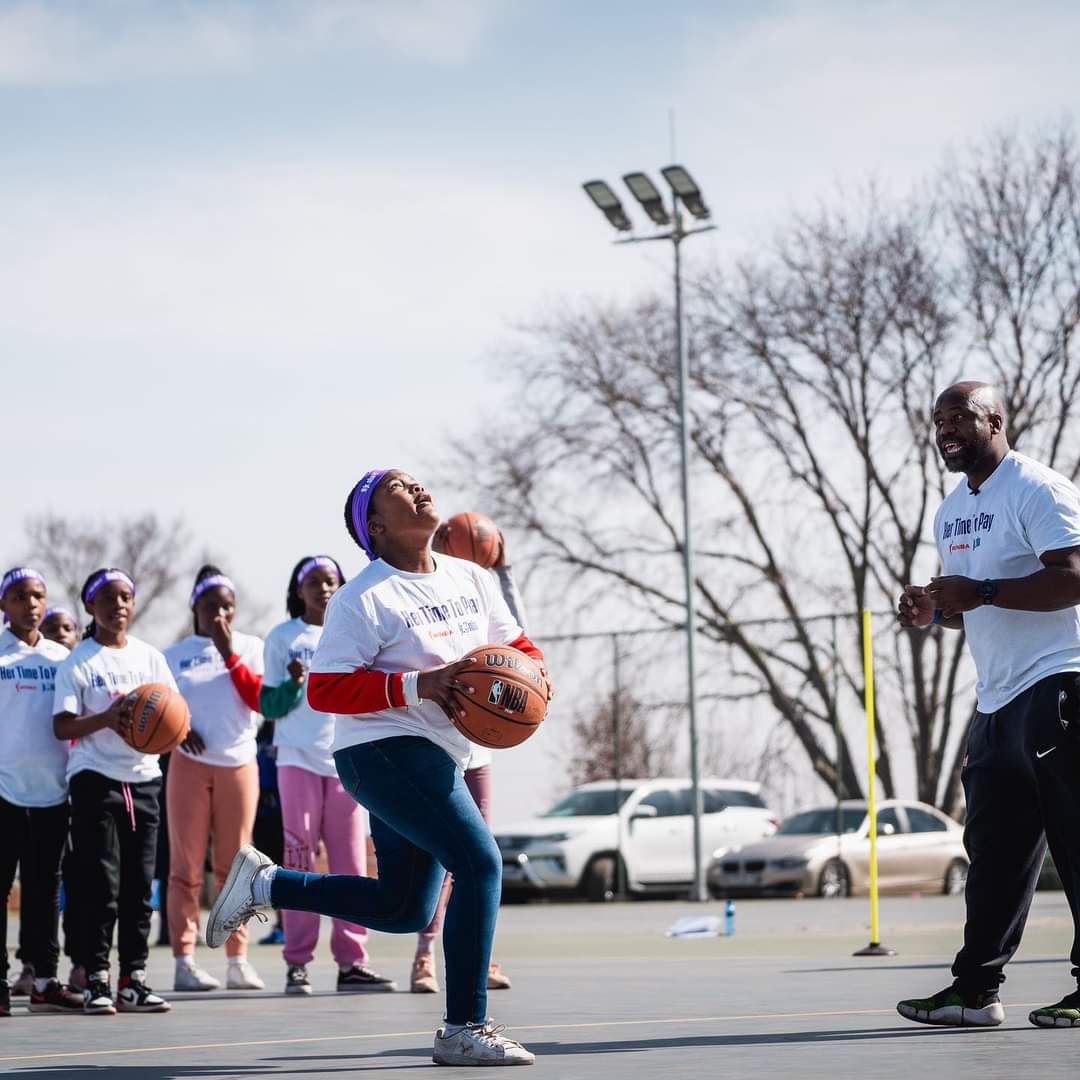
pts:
[213, 787]
[315, 807]
[114, 792]
[33, 792]
[396, 638]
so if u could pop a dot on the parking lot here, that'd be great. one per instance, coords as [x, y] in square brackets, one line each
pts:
[599, 991]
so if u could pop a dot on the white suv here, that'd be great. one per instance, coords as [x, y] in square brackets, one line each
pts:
[638, 834]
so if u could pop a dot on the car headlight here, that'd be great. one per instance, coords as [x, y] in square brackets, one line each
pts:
[552, 838]
[789, 863]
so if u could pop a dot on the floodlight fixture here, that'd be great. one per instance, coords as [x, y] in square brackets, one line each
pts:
[646, 193]
[686, 189]
[608, 202]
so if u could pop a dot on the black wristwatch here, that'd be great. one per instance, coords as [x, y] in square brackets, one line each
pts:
[987, 590]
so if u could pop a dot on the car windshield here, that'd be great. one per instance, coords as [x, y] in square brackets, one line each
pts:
[811, 822]
[593, 802]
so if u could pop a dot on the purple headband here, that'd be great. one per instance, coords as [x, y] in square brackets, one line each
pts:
[20, 573]
[102, 578]
[358, 509]
[50, 612]
[212, 581]
[315, 563]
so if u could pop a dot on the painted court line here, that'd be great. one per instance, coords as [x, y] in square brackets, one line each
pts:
[308, 1040]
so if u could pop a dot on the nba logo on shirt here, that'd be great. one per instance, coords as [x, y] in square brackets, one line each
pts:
[495, 693]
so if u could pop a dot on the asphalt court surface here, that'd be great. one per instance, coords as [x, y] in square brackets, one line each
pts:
[600, 992]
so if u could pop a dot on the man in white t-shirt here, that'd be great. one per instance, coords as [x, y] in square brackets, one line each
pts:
[1009, 540]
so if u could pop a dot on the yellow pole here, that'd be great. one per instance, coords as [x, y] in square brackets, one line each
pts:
[871, 768]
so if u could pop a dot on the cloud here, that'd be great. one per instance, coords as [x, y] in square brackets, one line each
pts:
[50, 43]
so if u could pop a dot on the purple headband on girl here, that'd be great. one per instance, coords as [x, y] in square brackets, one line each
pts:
[323, 562]
[51, 611]
[103, 578]
[358, 510]
[211, 581]
[20, 573]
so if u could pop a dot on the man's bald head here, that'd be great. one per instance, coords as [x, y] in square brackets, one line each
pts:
[969, 424]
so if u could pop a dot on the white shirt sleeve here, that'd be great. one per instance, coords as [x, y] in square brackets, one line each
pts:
[502, 626]
[1051, 518]
[275, 659]
[351, 637]
[67, 698]
[253, 655]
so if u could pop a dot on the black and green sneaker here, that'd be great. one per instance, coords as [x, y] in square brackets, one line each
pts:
[1066, 1013]
[953, 1007]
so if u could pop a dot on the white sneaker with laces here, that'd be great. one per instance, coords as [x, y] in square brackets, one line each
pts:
[242, 976]
[479, 1044]
[235, 904]
[188, 977]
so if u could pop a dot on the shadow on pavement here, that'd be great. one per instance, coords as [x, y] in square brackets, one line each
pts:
[886, 966]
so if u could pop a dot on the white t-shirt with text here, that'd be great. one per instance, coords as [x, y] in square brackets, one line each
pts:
[87, 682]
[225, 724]
[33, 761]
[386, 619]
[1022, 510]
[303, 737]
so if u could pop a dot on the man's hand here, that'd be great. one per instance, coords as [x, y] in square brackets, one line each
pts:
[916, 607]
[296, 672]
[439, 684]
[954, 594]
[193, 744]
[221, 635]
[117, 716]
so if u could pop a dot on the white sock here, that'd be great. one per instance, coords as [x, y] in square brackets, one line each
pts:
[187, 962]
[424, 947]
[452, 1029]
[260, 887]
[40, 984]
[236, 961]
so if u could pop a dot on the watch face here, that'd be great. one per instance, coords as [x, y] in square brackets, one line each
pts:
[986, 590]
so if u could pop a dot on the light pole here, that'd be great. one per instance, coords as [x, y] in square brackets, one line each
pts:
[684, 193]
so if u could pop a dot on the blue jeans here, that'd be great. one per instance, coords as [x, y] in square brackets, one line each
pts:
[424, 822]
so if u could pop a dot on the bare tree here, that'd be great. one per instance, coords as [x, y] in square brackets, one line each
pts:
[67, 549]
[814, 366]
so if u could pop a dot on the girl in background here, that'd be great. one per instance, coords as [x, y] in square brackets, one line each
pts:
[33, 792]
[423, 979]
[213, 785]
[314, 805]
[114, 794]
[60, 625]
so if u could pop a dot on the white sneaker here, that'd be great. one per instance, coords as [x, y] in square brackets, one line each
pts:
[479, 1044]
[236, 901]
[190, 977]
[242, 976]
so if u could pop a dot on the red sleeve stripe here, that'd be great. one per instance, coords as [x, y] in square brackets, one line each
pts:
[529, 648]
[356, 692]
[246, 682]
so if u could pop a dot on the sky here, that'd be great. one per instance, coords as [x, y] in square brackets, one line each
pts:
[251, 248]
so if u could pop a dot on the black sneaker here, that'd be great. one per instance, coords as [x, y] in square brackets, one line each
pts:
[360, 979]
[97, 998]
[296, 980]
[5, 998]
[1066, 1013]
[135, 996]
[56, 997]
[952, 1007]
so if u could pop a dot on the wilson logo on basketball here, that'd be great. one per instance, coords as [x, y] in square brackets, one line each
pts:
[149, 707]
[496, 660]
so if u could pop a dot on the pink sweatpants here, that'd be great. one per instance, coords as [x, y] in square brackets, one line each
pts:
[203, 801]
[317, 807]
[478, 781]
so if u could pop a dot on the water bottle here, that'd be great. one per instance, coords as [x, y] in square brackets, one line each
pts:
[729, 918]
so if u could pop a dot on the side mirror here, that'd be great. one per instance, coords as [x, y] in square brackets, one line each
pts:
[644, 811]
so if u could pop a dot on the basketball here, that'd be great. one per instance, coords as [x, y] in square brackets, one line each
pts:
[160, 719]
[509, 698]
[469, 536]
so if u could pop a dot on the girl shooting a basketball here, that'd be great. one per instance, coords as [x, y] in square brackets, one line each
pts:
[390, 665]
[114, 793]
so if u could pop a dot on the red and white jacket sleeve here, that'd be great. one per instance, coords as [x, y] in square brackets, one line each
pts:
[362, 691]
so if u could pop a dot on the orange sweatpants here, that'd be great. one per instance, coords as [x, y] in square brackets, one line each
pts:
[204, 801]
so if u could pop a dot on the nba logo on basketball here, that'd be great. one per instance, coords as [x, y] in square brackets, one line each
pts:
[495, 692]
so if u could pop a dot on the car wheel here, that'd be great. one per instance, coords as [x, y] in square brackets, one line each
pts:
[599, 879]
[955, 878]
[834, 880]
